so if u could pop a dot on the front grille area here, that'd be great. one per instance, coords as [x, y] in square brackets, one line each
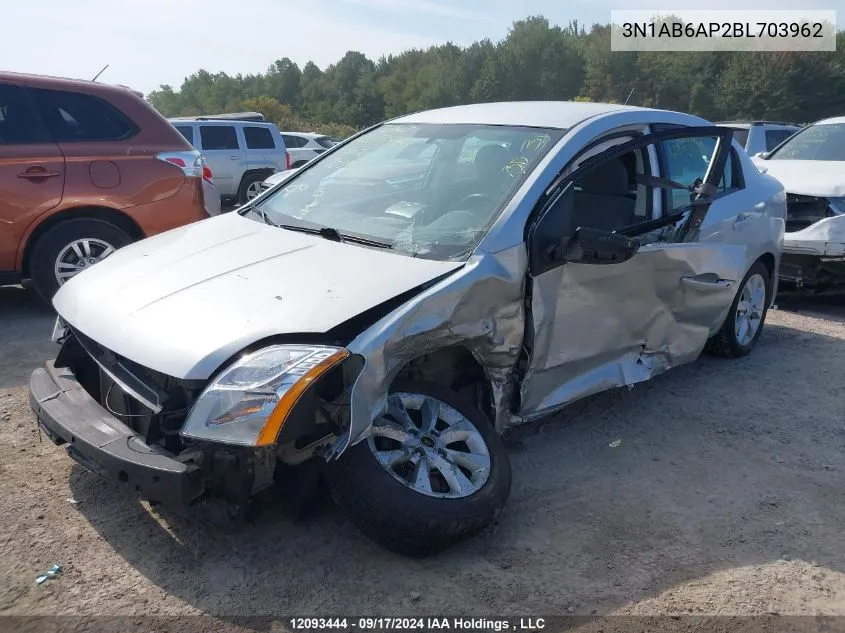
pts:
[803, 211]
[101, 372]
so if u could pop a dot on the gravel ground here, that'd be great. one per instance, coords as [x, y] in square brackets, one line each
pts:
[721, 495]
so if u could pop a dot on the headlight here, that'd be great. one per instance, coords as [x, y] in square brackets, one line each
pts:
[838, 205]
[248, 403]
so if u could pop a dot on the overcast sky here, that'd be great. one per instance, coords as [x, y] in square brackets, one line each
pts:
[154, 42]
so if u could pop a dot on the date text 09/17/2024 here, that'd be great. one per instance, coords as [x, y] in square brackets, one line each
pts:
[466, 625]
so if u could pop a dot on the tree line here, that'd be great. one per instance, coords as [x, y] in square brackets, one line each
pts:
[536, 61]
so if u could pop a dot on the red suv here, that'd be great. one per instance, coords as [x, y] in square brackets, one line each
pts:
[86, 168]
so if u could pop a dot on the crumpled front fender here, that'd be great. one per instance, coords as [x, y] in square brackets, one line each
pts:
[480, 308]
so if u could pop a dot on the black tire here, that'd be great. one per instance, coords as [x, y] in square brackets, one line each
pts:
[412, 523]
[246, 182]
[724, 342]
[51, 243]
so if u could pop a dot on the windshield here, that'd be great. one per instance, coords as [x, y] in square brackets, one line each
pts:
[426, 190]
[816, 142]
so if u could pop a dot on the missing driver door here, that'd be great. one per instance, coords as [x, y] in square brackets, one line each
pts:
[596, 326]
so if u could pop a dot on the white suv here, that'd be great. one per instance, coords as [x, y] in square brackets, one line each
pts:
[241, 153]
[303, 146]
[759, 137]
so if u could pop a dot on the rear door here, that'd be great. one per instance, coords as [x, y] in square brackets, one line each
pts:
[261, 149]
[32, 170]
[224, 154]
[592, 327]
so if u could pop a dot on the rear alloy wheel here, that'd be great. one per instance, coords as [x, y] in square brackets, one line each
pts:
[69, 248]
[253, 190]
[745, 320]
[433, 472]
[250, 187]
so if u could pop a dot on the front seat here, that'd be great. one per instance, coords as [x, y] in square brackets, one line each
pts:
[603, 202]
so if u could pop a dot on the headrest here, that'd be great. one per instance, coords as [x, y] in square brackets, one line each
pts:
[491, 159]
[609, 179]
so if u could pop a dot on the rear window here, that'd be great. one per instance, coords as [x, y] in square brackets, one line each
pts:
[187, 131]
[17, 123]
[258, 138]
[325, 141]
[74, 116]
[218, 137]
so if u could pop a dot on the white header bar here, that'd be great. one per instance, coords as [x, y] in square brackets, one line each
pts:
[728, 30]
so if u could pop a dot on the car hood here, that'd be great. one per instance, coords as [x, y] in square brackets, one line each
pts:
[184, 301]
[824, 178]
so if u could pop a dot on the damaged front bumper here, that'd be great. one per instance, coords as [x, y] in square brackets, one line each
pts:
[104, 445]
[813, 259]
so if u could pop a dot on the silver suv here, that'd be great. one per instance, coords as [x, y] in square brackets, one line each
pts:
[759, 137]
[241, 153]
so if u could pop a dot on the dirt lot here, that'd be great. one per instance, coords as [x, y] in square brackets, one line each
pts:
[725, 496]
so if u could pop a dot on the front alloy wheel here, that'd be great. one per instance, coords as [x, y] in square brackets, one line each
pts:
[430, 447]
[432, 472]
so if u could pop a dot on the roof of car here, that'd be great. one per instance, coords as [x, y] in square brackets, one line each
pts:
[831, 121]
[63, 83]
[305, 134]
[205, 122]
[748, 124]
[550, 114]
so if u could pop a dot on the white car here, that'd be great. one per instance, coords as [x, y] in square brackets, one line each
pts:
[811, 166]
[275, 179]
[303, 146]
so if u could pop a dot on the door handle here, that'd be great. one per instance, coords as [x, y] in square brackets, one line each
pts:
[234, 157]
[707, 281]
[38, 172]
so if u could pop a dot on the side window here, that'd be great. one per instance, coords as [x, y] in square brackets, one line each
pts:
[686, 161]
[741, 135]
[218, 137]
[74, 116]
[18, 125]
[258, 138]
[776, 137]
[608, 196]
[187, 131]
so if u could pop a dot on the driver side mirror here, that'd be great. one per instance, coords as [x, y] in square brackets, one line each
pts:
[592, 246]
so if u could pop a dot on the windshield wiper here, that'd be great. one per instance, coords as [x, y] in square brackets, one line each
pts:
[331, 233]
[258, 211]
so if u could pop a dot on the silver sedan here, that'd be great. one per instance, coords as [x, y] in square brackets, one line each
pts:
[390, 309]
